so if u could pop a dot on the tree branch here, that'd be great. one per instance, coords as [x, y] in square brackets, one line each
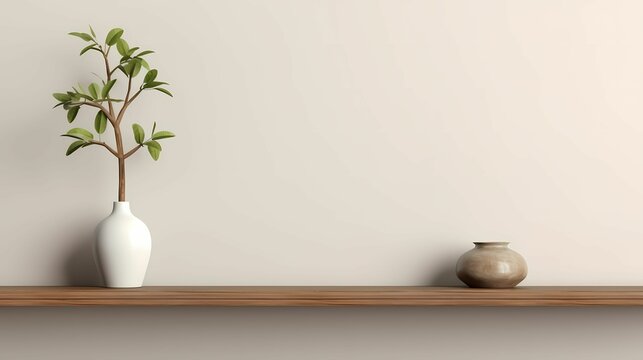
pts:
[129, 87]
[136, 95]
[103, 144]
[109, 77]
[98, 106]
[127, 103]
[131, 152]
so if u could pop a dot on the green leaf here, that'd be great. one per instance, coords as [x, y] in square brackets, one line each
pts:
[162, 135]
[154, 128]
[107, 88]
[150, 76]
[154, 152]
[75, 146]
[83, 36]
[71, 113]
[132, 67]
[92, 31]
[154, 148]
[113, 36]
[73, 96]
[90, 47]
[108, 99]
[164, 91]
[62, 97]
[154, 144]
[146, 52]
[131, 51]
[57, 105]
[122, 47]
[86, 97]
[154, 84]
[77, 137]
[144, 63]
[94, 89]
[127, 67]
[139, 133]
[100, 122]
[80, 133]
[136, 67]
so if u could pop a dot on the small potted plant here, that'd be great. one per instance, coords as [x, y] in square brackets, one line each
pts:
[123, 242]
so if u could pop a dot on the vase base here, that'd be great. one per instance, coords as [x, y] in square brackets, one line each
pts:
[123, 286]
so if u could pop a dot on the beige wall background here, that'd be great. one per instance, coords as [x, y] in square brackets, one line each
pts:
[334, 142]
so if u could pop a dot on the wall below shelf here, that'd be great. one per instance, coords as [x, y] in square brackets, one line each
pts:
[312, 296]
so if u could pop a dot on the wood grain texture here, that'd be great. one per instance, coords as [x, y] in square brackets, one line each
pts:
[320, 296]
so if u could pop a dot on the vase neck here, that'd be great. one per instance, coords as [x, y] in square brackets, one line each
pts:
[492, 244]
[121, 207]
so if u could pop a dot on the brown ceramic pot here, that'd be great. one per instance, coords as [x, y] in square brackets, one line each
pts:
[491, 265]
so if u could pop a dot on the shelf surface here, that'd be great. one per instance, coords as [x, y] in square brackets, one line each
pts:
[320, 296]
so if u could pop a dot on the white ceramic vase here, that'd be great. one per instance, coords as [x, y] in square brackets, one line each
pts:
[122, 249]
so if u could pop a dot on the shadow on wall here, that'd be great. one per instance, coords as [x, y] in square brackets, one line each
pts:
[443, 273]
[79, 268]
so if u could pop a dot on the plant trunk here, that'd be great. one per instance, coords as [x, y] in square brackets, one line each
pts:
[121, 179]
[121, 162]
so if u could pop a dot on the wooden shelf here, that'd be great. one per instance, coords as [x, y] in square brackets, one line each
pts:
[320, 296]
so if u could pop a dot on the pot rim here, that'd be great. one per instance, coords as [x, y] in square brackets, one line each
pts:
[491, 242]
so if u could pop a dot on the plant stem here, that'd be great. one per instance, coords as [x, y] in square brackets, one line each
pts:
[115, 120]
[98, 106]
[109, 77]
[121, 162]
[126, 102]
[121, 179]
[119, 153]
[103, 144]
[131, 152]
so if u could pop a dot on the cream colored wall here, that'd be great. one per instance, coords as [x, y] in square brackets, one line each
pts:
[335, 142]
